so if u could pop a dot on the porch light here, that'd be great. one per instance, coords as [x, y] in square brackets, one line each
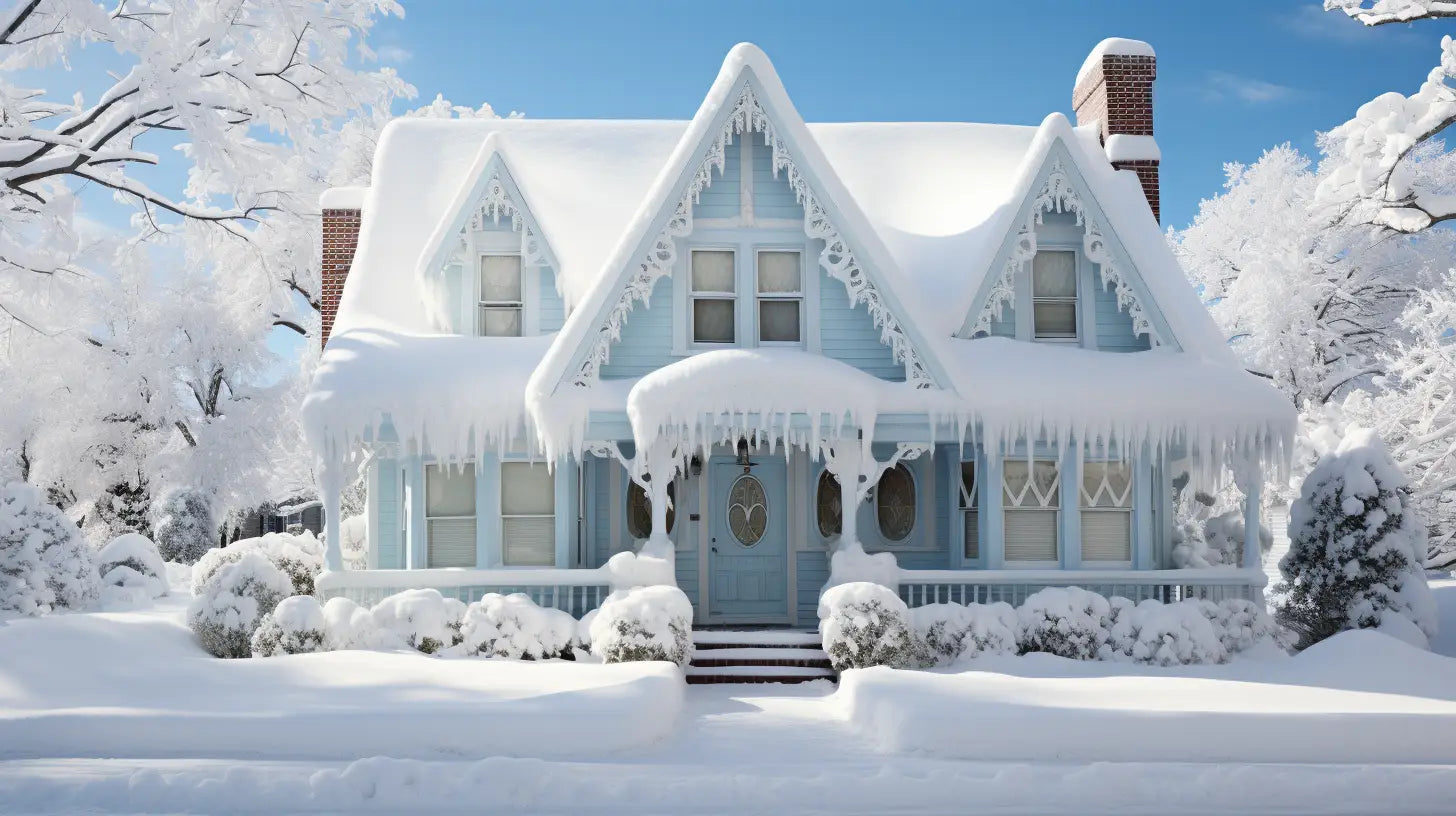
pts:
[743, 460]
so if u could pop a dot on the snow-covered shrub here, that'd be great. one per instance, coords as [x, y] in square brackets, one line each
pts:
[582, 639]
[1175, 634]
[354, 542]
[299, 556]
[184, 525]
[44, 562]
[644, 623]
[131, 561]
[1214, 542]
[1066, 621]
[423, 619]
[1242, 625]
[951, 631]
[232, 603]
[514, 626]
[1356, 547]
[295, 626]
[866, 624]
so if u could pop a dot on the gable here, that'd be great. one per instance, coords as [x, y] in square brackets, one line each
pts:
[1060, 202]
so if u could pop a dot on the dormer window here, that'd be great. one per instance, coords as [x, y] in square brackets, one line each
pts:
[780, 297]
[1054, 296]
[714, 296]
[501, 303]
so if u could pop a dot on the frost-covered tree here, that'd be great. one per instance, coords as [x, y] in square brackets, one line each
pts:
[1380, 12]
[44, 563]
[1356, 548]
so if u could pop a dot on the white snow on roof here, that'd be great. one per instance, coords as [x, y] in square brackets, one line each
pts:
[1112, 46]
[1124, 147]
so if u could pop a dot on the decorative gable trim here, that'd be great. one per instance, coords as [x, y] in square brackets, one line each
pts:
[1058, 193]
[500, 199]
[838, 258]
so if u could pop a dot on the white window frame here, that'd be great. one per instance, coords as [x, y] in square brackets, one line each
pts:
[474, 500]
[1076, 299]
[760, 297]
[481, 305]
[734, 297]
[505, 465]
[906, 540]
[968, 503]
[1087, 502]
[1042, 504]
[746, 245]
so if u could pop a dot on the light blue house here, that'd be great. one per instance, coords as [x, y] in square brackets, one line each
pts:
[751, 350]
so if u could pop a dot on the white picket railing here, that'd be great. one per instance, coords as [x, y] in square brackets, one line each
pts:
[576, 591]
[921, 587]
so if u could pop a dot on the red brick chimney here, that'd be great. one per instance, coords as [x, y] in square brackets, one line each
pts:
[1115, 89]
[342, 208]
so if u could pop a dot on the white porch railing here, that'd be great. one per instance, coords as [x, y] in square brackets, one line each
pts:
[921, 587]
[575, 591]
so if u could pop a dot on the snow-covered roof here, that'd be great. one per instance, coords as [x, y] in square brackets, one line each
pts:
[1116, 47]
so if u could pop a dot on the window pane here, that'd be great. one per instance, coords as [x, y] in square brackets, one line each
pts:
[712, 321]
[973, 535]
[1055, 319]
[450, 542]
[528, 542]
[778, 272]
[1031, 535]
[527, 489]
[778, 321]
[497, 322]
[1054, 274]
[830, 506]
[1042, 492]
[968, 485]
[713, 271]
[449, 491]
[1106, 535]
[1106, 484]
[500, 278]
[895, 503]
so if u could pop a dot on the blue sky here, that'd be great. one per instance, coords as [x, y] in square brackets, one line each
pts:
[1233, 77]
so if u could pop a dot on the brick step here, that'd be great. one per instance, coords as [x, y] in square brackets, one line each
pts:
[767, 656]
[740, 673]
[763, 638]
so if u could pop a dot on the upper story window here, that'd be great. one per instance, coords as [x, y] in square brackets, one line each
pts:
[714, 296]
[502, 302]
[780, 297]
[1031, 508]
[1054, 296]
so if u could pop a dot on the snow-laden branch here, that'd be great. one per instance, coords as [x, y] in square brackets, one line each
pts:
[1381, 12]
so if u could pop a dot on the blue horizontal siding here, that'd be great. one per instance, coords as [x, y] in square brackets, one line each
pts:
[551, 312]
[813, 575]
[388, 499]
[1114, 325]
[720, 199]
[848, 334]
[646, 342]
[772, 196]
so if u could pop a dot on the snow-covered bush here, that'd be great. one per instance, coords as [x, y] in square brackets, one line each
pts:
[1175, 634]
[866, 624]
[1356, 547]
[295, 626]
[347, 625]
[1214, 542]
[184, 525]
[354, 542]
[643, 623]
[514, 626]
[422, 619]
[131, 561]
[233, 601]
[951, 631]
[1066, 621]
[299, 556]
[44, 562]
[1243, 625]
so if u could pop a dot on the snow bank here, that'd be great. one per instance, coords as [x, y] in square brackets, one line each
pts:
[644, 624]
[865, 624]
[136, 685]
[1357, 697]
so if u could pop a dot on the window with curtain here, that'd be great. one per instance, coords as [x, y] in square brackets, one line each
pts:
[714, 296]
[1054, 295]
[1031, 502]
[501, 299]
[829, 506]
[970, 511]
[450, 516]
[895, 503]
[528, 515]
[780, 297]
[639, 510]
[1107, 511]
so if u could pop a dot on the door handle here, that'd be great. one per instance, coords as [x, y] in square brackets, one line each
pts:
[715, 549]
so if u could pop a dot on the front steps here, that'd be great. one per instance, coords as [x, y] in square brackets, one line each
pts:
[765, 656]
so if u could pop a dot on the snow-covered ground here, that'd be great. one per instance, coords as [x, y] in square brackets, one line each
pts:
[1346, 729]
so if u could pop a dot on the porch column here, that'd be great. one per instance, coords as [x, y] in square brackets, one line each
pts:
[659, 468]
[1252, 486]
[331, 483]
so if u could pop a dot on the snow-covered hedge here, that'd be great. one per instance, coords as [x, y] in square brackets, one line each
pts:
[354, 542]
[299, 556]
[233, 602]
[514, 626]
[295, 626]
[44, 562]
[866, 624]
[1160, 634]
[184, 525]
[1356, 548]
[1065, 621]
[952, 632]
[643, 623]
[1217, 541]
[132, 563]
[422, 619]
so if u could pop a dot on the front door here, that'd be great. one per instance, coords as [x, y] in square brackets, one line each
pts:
[748, 542]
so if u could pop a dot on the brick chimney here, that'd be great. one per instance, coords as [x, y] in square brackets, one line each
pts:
[342, 209]
[1115, 89]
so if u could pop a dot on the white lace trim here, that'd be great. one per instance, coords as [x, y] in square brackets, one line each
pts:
[838, 258]
[496, 202]
[1058, 195]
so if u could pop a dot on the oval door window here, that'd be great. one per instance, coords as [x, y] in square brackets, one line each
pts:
[747, 510]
